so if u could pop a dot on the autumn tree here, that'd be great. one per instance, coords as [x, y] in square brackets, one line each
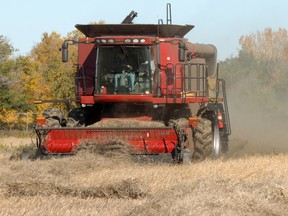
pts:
[39, 75]
[267, 44]
[58, 82]
[57, 78]
[6, 98]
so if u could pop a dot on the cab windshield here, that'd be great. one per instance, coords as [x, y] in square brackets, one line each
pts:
[124, 70]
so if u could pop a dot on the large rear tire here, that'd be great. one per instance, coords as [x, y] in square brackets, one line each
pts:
[202, 139]
[206, 139]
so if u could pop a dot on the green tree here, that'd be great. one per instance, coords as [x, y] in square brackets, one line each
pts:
[6, 49]
[12, 90]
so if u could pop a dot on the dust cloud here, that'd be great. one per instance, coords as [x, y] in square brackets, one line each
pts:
[256, 130]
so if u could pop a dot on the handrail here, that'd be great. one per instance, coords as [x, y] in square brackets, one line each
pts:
[191, 78]
[80, 75]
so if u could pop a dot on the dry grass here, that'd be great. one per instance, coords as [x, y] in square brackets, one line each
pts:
[127, 123]
[12, 147]
[96, 184]
[110, 148]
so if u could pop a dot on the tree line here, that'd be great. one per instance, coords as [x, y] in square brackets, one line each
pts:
[258, 73]
[258, 76]
[38, 75]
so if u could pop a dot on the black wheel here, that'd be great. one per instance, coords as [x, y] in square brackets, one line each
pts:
[202, 139]
[206, 139]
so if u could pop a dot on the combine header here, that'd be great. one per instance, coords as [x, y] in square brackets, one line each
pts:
[146, 85]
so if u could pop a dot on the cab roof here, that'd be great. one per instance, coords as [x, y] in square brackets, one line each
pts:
[161, 30]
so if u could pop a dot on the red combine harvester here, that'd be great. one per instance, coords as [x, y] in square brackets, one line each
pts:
[144, 73]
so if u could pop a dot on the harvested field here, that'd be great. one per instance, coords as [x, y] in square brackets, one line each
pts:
[92, 183]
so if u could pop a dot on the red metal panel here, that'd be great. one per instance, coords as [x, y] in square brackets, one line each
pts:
[169, 57]
[87, 100]
[86, 61]
[147, 98]
[123, 98]
[86, 52]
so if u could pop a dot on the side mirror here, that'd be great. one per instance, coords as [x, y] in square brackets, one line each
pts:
[65, 52]
[181, 52]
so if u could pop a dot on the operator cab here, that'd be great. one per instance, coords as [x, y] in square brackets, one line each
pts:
[99, 70]
[124, 69]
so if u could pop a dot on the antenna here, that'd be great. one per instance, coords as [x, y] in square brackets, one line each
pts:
[168, 14]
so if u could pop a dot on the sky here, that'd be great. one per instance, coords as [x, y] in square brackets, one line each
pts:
[218, 22]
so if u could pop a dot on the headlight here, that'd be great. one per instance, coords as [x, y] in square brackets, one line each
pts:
[135, 40]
